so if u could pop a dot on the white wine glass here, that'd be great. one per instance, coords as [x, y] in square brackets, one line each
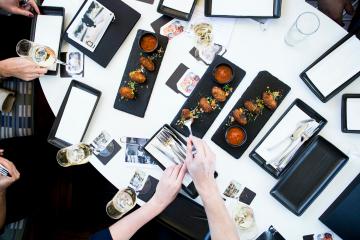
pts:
[42, 55]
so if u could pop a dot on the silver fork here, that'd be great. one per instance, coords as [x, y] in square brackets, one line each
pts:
[169, 142]
[172, 159]
[308, 133]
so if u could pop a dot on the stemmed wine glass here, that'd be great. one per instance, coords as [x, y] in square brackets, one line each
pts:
[42, 55]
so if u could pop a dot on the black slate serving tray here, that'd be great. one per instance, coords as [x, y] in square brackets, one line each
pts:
[313, 170]
[309, 111]
[263, 80]
[310, 84]
[344, 111]
[139, 105]
[203, 89]
[342, 216]
[118, 30]
[55, 11]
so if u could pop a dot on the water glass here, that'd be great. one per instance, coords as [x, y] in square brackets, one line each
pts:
[305, 25]
[123, 201]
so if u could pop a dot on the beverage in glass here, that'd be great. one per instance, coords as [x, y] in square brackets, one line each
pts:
[42, 55]
[122, 202]
[74, 155]
[305, 25]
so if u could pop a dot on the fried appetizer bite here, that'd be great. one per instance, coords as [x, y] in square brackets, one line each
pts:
[137, 76]
[269, 100]
[186, 114]
[240, 116]
[252, 107]
[127, 93]
[219, 94]
[147, 63]
[205, 105]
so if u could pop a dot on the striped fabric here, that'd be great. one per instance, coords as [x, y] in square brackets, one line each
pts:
[19, 122]
[14, 231]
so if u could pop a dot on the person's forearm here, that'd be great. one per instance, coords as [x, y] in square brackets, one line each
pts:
[127, 227]
[2, 208]
[220, 222]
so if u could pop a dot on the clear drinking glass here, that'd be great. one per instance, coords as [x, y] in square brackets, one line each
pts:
[123, 201]
[42, 55]
[74, 155]
[305, 25]
[204, 40]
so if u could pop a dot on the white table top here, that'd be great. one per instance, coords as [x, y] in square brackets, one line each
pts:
[251, 49]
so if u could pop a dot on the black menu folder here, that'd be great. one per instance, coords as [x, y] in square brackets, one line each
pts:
[210, 11]
[115, 35]
[175, 13]
[315, 167]
[324, 97]
[52, 11]
[343, 215]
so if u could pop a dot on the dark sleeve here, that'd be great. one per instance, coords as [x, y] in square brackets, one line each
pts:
[102, 235]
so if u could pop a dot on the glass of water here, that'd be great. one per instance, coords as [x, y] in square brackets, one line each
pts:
[74, 155]
[123, 201]
[305, 25]
[42, 55]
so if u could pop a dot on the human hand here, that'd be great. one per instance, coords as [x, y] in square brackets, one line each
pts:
[5, 181]
[334, 9]
[169, 185]
[21, 68]
[13, 6]
[201, 166]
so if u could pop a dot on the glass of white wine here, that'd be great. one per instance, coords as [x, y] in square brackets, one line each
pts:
[74, 155]
[123, 201]
[42, 55]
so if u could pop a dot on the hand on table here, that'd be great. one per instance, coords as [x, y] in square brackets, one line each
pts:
[13, 6]
[5, 182]
[169, 185]
[21, 68]
[201, 166]
[334, 9]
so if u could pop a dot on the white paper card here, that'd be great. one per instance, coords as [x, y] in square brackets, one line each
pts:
[166, 162]
[180, 5]
[338, 67]
[353, 113]
[48, 32]
[281, 132]
[76, 115]
[262, 8]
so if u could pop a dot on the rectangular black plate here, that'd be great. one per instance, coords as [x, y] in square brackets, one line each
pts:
[115, 35]
[139, 105]
[343, 214]
[276, 12]
[203, 89]
[309, 111]
[263, 80]
[56, 11]
[175, 13]
[313, 88]
[59, 142]
[344, 113]
[311, 173]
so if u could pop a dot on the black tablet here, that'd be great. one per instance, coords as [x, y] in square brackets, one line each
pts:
[343, 215]
[74, 115]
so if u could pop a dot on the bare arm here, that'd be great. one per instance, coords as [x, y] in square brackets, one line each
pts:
[166, 191]
[201, 168]
[5, 182]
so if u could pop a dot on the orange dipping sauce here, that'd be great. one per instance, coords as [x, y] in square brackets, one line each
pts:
[223, 74]
[235, 136]
[148, 43]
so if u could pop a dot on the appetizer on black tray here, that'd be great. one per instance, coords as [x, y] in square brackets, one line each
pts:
[209, 97]
[250, 114]
[140, 73]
